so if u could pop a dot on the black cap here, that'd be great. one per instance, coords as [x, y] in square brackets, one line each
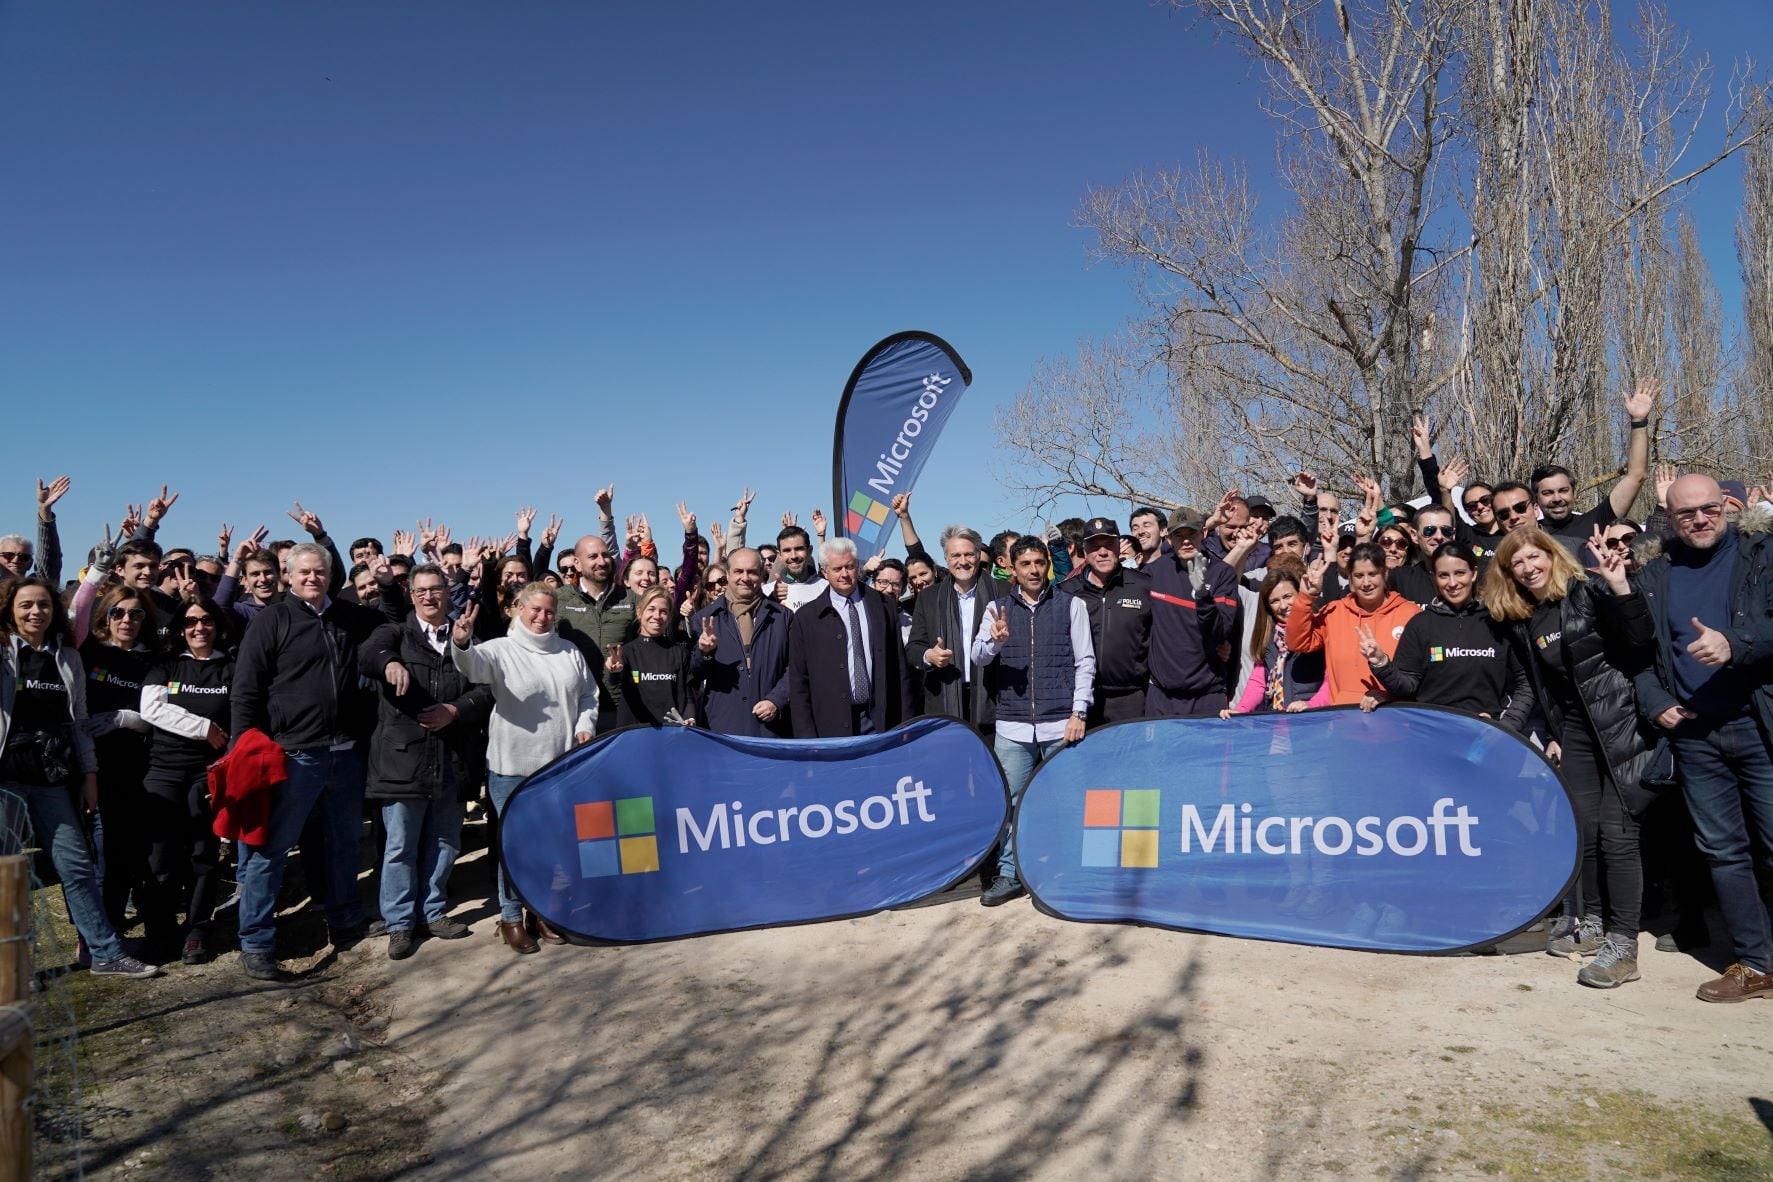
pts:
[1101, 527]
[1260, 502]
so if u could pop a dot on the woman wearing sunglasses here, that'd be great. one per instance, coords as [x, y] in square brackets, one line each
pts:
[1582, 641]
[117, 660]
[186, 701]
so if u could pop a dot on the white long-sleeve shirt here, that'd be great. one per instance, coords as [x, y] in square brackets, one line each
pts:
[543, 695]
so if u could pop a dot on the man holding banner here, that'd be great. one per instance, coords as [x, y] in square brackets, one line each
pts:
[1039, 639]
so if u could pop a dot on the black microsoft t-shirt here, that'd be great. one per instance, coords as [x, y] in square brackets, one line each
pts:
[40, 699]
[1575, 533]
[200, 687]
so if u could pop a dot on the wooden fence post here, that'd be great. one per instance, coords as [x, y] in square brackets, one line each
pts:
[15, 1024]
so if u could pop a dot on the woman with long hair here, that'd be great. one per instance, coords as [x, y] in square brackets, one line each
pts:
[112, 630]
[185, 698]
[710, 587]
[1280, 679]
[46, 756]
[649, 676]
[1582, 640]
[1452, 653]
[544, 701]
[1333, 628]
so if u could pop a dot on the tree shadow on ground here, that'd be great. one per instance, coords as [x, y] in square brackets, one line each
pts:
[965, 1055]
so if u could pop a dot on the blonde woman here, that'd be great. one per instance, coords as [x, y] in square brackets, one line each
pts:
[544, 701]
[1582, 640]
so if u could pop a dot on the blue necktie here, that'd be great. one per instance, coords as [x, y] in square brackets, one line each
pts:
[860, 690]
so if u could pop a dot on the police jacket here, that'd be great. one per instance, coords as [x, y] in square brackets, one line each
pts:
[1120, 626]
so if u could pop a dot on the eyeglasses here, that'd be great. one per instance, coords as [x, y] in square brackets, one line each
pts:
[427, 592]
[1710, 512]
[1507, 511]
[191, 622]
[1622, 542]
[1436, 531]
[126, 613]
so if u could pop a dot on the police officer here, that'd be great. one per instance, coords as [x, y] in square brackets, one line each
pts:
[1118, 601]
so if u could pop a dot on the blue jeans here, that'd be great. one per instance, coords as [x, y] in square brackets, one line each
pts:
[499, 788]
[424, 838]
[56, 828]
[333, 782]
[1726, 773]
[1018, 760]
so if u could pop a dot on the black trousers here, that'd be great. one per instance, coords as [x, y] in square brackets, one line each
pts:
[1612, 865]
[122, 809]
[184, 854]
[1117, 705]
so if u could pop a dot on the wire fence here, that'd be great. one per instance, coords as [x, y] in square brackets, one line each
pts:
[57, 1120]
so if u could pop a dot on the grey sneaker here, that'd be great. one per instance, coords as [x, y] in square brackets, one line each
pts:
[1584, 940]
[1613, 966]
[123, 966]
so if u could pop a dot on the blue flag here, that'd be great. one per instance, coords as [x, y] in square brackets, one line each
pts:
[1411, 829]
[653, 833]
[894, 407]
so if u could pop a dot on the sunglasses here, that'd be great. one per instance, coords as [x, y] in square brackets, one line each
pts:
[1622, 542]
[1507, 511]
[126, 613]
[1394, 544]
[716, 582]
[1478, 502]
[1436, 531]
[14, 555]
[198, 621]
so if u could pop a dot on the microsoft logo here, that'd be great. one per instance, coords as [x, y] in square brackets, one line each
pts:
[1120, 827]
[1436, 653]
[172, 687]
[616, 837]
[864, 508]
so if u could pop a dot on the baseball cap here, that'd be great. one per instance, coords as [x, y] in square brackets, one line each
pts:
[1099, 527]
[1259, 503]
[1735, 490]
[1186, 518]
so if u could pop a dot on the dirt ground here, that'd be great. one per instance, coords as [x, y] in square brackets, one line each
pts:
[939, 1042]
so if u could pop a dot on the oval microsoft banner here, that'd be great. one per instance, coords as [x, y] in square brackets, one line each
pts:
[649, 834]
[1411, 829]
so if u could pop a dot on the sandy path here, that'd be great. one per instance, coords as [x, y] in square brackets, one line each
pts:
[951, 1042]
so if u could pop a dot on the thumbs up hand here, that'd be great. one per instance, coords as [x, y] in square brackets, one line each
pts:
[937, 656]
[1712, 648]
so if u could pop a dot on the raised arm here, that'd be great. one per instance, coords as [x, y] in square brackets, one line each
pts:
[1638, 405]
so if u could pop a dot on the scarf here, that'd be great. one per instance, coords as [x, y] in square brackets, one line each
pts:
[745, 616]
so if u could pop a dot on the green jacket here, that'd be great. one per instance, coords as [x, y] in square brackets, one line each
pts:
[592, 625]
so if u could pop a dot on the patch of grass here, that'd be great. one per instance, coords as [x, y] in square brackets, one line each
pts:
[1462, 1050]
[1628, 1131]
[1524, 988]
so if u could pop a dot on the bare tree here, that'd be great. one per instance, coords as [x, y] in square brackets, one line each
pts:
[1752, 398]
[1477, 201]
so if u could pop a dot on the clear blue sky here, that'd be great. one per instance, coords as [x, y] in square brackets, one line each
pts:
[448, 258]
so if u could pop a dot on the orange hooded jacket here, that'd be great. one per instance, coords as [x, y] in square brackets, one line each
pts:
[1331, 629]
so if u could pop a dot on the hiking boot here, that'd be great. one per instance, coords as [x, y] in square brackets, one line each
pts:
[517, 937]
[1613, 966]
[1001, 891]
[124, 966]
[1584, 940]
[262, 966]
[401, 944]
[194, 950]
[447, 928]
[1739, 983]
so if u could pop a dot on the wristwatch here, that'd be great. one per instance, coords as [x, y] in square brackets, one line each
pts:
[1080, 716]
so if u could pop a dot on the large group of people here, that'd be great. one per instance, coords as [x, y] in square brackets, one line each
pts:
[432, 673]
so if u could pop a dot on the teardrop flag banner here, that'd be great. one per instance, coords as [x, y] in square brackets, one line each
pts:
[895, 405]
[1410, 829]
[655, 833]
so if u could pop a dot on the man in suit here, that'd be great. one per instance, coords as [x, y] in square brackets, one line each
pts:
[846, 663]
[948, 615]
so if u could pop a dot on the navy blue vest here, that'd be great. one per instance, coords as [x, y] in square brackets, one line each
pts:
[1037, 689]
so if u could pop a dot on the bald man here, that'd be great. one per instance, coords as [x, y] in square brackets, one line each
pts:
[596, 612]
[1711, 689]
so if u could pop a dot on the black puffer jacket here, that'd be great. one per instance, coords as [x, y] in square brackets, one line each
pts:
[1607, 640]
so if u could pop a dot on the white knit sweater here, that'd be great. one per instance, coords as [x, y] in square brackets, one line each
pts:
[542, 696]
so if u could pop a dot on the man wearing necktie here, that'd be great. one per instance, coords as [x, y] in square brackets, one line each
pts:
[426, 758]
[846, 659]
